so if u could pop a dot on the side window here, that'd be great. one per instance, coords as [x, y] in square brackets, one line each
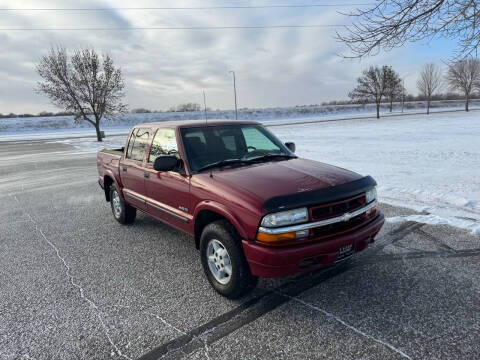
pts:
[189, 134]
[256, 139]
[164, 143]
[231, 138]
[137, 144]
[130, 144]
[230, 143]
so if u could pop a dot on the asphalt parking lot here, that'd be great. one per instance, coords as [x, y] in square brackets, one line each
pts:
[74, 284]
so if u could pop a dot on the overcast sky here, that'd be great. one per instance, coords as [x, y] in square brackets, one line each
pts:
[274, 67]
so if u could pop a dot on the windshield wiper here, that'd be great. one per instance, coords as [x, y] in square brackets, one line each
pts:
[244, 160]
[223, 163]
[271, 156]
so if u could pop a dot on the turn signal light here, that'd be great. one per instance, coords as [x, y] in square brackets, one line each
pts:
[373, 210]
[270, 238]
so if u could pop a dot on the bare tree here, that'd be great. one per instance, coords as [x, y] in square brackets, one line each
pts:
[140, 111]
[464, 76]
[371, 87]
[393, 85]
[189, 107]
[429, 82]
[388, 24]
[88, 86]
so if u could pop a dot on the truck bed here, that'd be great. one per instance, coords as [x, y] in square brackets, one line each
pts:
[108, 162]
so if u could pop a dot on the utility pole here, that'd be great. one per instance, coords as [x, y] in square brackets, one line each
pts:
[403, 93]
[235, 93]
[205, 106]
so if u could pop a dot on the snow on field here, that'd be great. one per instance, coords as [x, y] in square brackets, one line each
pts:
[427, 163]
[38, 128]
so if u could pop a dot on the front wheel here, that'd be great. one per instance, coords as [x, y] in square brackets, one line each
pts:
[122, 212]
[224, 262]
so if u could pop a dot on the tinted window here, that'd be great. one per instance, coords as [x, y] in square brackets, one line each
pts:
[164, 143]
[255, 139]
[193, 133]
[207, 145]
[230, 142]
[137, 144]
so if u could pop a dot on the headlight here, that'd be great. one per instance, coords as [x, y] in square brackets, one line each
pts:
[371, 195]
[285, 217]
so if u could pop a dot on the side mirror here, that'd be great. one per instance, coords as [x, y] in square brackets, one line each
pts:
[290, 146]
[165, 163]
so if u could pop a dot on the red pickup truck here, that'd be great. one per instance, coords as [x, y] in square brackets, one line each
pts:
[253, 207]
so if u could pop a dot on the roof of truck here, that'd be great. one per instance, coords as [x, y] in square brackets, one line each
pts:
[195, 123]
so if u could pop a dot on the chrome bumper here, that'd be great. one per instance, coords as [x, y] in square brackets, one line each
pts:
[342, 218]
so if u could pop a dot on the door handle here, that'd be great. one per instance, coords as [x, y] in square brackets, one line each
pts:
[124, 168]
[146, 175]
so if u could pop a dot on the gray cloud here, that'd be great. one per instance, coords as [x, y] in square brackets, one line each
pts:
[274, 67]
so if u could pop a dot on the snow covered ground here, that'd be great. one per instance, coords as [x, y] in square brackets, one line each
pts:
[37, 128]
[428, 163]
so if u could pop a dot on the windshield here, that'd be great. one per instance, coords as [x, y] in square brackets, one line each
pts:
[221, 144]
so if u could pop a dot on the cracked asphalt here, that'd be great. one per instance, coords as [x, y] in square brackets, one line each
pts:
[74, 284]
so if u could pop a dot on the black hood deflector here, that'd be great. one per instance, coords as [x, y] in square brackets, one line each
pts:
[321, 196]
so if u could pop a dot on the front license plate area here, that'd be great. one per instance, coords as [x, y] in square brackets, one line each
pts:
[344, 252]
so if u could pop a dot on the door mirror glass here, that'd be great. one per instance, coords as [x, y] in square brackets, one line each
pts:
[290, 146]
[165, 163]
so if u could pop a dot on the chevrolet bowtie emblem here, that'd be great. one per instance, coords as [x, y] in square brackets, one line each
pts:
[346, 217]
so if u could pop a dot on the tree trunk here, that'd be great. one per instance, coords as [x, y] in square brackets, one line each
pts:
[466, 103]
[378, 110]
[97, 129]
[391, 104]
[428, 106]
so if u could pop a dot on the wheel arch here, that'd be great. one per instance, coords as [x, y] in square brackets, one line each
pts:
[108, 180]
[208, 212]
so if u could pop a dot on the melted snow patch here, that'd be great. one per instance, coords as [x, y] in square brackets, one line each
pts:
[431, 219]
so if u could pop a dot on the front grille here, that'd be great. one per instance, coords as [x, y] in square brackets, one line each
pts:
[331, 210]
[326, 211]
[339, 227]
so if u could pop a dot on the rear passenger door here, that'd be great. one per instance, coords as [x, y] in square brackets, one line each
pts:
[132, 168]
[168, 191]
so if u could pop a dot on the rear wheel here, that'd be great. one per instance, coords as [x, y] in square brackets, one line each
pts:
[223, 260]
[122, 212]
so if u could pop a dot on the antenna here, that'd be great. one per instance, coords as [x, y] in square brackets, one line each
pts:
[205, 105]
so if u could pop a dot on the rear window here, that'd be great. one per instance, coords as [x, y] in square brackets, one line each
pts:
[137, 144]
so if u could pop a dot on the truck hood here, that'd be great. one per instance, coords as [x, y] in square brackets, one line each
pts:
[266, 180]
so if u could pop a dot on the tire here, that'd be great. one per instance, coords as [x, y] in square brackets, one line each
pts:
[221, 243]
[122, 212]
